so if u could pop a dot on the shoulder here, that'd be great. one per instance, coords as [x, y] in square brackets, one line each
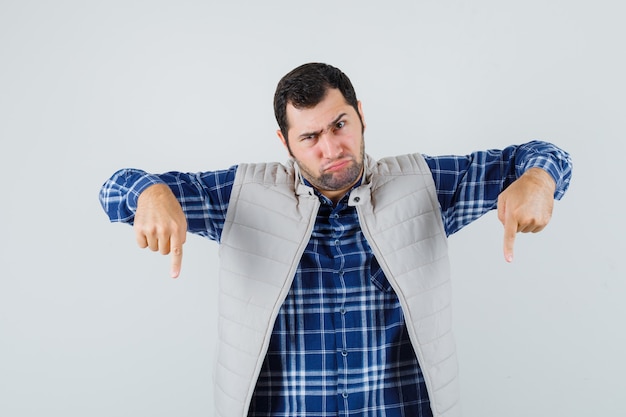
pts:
[408, 164]
[266, 173]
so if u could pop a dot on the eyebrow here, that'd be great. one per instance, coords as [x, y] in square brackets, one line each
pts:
[331, 124]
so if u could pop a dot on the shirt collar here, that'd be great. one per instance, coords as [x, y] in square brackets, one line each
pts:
[327, 200]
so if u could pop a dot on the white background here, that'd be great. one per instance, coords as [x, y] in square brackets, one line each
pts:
[90, 325]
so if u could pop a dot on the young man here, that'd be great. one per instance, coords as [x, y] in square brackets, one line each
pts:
[334, 278]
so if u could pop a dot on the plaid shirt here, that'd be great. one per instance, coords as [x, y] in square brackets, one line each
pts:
[339, 346]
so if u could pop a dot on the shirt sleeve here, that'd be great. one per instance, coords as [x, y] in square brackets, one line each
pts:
[203, 196]
[468, 186]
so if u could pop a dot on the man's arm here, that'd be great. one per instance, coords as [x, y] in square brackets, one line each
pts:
[469, 186]
[164, 207]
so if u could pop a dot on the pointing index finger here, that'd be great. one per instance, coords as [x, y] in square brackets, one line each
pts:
[177, 258]
[510, 230]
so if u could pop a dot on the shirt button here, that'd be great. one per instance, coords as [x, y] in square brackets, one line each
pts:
[342, 310]
[344, 353]
[344, 394]
[336, 242]
[335, 216]
[357, 199]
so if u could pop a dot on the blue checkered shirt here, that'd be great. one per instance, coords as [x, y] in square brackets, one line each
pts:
[339, 346]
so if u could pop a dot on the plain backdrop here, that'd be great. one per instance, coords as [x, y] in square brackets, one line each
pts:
[90, 325]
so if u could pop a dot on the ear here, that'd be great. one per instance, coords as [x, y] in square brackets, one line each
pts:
[360, 107]
[279, 133]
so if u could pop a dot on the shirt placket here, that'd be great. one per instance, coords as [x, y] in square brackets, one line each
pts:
[339, 250]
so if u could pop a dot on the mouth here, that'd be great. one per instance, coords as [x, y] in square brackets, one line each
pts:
[337, 165]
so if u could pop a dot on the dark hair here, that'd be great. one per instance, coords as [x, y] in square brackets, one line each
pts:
[306, 86]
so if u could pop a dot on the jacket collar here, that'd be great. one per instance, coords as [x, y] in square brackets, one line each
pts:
[359, 194]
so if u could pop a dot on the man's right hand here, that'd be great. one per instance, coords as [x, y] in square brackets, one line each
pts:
[160, 224]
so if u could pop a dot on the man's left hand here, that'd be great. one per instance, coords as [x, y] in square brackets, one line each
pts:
[526, 206]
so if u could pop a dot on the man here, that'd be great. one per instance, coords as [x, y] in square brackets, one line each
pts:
[334, 279]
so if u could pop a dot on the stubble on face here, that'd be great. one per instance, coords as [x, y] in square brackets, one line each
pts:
[335, 180]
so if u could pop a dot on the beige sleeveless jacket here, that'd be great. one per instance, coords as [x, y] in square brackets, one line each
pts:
[268, 225]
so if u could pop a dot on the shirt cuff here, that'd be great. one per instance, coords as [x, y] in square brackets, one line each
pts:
[139, 186]
[551, 167]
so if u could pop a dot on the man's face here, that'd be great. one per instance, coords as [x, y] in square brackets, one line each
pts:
[327, 143]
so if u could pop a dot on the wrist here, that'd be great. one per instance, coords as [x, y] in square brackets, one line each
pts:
[542, 178]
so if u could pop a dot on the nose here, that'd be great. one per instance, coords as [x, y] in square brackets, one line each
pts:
[330, 146]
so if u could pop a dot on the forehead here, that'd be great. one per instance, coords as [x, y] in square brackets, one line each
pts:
[320, 115]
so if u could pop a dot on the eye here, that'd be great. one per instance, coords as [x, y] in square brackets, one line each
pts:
[339, 125]
[308, 139]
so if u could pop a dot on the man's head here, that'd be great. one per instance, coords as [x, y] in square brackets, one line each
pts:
[306, 86]
[321, 125]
